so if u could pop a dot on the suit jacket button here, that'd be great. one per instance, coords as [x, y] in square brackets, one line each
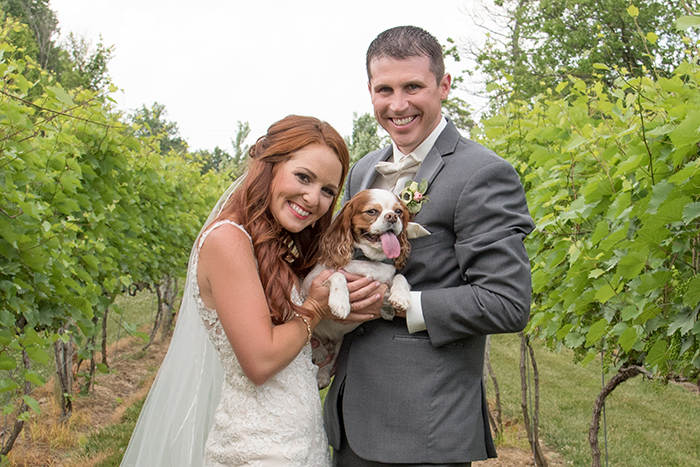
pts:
[359, 331]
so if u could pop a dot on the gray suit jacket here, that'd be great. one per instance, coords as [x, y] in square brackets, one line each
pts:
[419, 398]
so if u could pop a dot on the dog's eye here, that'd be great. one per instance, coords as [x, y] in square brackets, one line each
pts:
[399, 212]
[372, 212]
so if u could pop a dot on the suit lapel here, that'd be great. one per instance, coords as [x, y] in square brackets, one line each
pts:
[444, 145]
[430, 166]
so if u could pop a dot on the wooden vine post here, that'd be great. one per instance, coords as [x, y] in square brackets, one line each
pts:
[64, 375]
[531, 425]
[497, 422]
[18, 423]
[169, 297]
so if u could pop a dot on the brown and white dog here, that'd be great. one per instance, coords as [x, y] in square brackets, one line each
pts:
[368, 238]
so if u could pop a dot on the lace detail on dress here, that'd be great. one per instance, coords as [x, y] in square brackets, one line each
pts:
[276, 424]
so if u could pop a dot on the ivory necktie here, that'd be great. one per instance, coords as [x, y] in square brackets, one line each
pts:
[392, 171]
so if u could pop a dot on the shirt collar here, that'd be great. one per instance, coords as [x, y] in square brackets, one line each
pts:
[423, 148]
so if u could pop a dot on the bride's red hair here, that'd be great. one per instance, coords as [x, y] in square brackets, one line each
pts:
[249, 206]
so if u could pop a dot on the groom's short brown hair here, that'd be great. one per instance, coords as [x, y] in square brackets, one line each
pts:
[403, 42]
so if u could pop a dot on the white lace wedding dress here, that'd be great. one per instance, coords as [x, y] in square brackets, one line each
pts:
[276, 424]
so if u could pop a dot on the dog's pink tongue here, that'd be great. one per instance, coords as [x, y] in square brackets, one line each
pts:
[390, 245]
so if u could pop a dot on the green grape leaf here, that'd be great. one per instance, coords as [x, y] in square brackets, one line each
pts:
[61, 95]
[7, 385]
[605, 293]
[597, 331]
[38, 355]
[632, 263]
[683, 322]
[688, 131]
[7, 363]
[691, 212]
[657, 354]
[691, 297]
[687, 22]
[628, 338]
[32, 403]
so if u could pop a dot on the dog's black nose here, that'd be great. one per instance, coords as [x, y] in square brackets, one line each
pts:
[391, 217]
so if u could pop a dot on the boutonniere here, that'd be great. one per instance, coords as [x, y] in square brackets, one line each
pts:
[413, 195]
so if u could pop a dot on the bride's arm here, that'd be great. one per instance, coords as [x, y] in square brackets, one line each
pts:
[229, 283]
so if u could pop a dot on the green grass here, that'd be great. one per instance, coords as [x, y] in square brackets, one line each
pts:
[113, 440]
[139, 311]
[648, 424]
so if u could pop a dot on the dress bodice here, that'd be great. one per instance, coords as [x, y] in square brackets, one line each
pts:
[275, 424]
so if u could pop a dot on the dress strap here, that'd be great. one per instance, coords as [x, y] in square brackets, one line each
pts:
[222, 222]
[219, 223]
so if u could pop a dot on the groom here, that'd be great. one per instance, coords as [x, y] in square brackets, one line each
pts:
[410, 391]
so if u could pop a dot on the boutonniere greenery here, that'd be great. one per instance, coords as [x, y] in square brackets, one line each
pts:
[413, 195]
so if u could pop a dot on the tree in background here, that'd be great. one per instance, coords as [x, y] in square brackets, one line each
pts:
[238, 163]
[81, 65]
[365, 137]
[536, 44]
[92, 202]
[211, 161]
[43, 25]
[456, 108]
[152, 122]
[221, 161]
[74, 62]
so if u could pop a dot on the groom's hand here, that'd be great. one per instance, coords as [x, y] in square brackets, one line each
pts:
[366, 298]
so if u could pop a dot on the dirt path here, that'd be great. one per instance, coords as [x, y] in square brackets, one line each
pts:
[44, 442]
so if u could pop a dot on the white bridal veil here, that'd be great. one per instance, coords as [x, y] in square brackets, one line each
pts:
[179, 411]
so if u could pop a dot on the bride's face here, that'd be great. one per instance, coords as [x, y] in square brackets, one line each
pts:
[304, 187]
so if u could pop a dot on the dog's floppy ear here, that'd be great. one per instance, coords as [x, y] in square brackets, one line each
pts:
[337, 244]
[403, 239]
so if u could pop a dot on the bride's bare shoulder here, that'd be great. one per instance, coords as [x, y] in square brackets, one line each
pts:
[223, 237]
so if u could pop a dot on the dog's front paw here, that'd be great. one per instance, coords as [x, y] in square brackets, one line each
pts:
[339, 305]
[339, 297]
[400, 302]
[400, 296]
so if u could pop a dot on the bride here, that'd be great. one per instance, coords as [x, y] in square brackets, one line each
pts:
[237, 386]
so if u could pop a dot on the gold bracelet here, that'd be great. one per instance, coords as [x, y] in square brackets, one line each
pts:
[308, 328]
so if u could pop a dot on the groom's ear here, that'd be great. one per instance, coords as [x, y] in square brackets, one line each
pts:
[445, 85]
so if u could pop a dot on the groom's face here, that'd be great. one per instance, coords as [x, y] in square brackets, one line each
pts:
[407, 98]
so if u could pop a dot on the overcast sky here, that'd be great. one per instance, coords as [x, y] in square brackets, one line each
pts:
[215, 62]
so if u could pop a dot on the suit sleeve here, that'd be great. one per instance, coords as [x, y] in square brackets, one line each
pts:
[490, 222]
